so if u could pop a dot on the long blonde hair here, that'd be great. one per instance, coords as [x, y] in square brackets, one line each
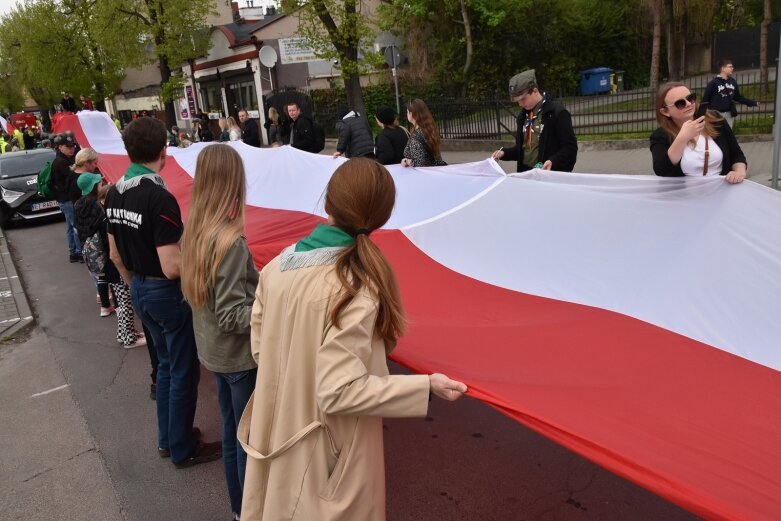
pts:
[359, 198]
[273, 115]
[215, 221]
[232, 124]
[84, 156]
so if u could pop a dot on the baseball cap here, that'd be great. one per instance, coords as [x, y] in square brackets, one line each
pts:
[522, 82]
[64, 139]
[87, 182]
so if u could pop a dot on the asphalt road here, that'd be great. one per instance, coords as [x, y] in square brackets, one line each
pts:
[87, 451]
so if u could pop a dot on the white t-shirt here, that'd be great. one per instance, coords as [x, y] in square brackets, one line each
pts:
[235, 134]
[693, 159]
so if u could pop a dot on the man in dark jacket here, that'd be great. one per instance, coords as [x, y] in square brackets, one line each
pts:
[29, 138]
[66, 192]
[300, 132]
[545, 137]
[249, 132]
[355, 136]
[722, 93]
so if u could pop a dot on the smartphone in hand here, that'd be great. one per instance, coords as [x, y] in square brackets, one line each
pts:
[701, 110]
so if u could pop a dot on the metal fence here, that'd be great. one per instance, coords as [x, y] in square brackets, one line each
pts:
[622, 114]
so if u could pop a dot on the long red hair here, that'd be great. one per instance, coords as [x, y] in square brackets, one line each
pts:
[359, 198]
[425, 122]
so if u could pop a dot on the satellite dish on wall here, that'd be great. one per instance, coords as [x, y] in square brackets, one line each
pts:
[268, 56]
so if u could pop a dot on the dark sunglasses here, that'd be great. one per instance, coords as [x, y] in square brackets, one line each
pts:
[680, 104]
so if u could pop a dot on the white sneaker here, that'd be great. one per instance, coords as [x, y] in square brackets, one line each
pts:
[104, 312]
[140, 342]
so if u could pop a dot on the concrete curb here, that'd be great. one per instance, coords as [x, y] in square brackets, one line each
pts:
[16, 312]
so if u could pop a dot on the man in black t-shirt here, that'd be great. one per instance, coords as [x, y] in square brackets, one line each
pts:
[144, 225]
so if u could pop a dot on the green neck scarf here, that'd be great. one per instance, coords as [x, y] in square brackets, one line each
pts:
[137, 169]
[324, 236]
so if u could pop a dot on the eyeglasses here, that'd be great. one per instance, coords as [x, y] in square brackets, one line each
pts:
[681, 104]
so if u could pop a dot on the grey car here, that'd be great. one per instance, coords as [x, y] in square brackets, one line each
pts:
[19, 187]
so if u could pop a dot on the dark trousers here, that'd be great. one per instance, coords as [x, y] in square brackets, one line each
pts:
[168, 318]
[233, 393]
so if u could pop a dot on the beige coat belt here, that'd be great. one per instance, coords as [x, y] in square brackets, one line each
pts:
[244, 428]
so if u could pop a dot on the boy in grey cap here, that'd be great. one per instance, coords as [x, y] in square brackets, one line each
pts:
[545, 138]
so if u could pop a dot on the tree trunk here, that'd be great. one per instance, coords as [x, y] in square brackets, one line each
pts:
[165, 75]
[656, 46]
[352, 88]
[767, 17]
[468, 36]
[672, 67]
[681, 34]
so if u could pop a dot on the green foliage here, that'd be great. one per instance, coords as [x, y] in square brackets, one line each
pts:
[177, 28]
[85, 46]
[337, 30]
[11, 92]
[172, 89]
[734, 14]
[555, 37]
[68, 45]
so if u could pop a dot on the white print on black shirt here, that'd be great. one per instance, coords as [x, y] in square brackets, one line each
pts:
[126, 217]
[728, 86]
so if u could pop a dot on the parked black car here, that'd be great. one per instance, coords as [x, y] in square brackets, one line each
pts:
[19, 186]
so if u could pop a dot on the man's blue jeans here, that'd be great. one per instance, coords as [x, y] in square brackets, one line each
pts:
[233, 393]
[74, 244]
[161, 306]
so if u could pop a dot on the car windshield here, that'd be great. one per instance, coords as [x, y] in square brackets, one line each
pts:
[17, 164]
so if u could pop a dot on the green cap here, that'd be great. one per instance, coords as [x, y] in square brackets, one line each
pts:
[522, 82]
[87, 182]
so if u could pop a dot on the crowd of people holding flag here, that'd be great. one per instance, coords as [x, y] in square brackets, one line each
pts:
[167, 271]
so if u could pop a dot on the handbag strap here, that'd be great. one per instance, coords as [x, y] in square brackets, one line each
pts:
[707, 156]
[244, 428]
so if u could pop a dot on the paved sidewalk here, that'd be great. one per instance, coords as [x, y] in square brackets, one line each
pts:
[15, 311]
[52, 467]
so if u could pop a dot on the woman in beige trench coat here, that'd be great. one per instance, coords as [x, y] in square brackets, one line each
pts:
[327, 312]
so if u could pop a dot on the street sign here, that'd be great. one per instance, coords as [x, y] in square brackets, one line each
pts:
[392, 56]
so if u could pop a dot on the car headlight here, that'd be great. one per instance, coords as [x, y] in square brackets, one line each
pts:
[9, 196]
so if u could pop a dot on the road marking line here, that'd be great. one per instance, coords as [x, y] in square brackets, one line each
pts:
[50, 391]
[8, 278]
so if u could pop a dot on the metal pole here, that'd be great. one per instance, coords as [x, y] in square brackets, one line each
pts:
[396, 84]
[395, 77]
[777, 125]
[271, 81]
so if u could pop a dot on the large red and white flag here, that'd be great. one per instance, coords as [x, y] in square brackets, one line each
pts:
[6, 126]
[633, 319]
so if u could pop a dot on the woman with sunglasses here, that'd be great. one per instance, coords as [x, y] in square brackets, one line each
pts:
[686, 145]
